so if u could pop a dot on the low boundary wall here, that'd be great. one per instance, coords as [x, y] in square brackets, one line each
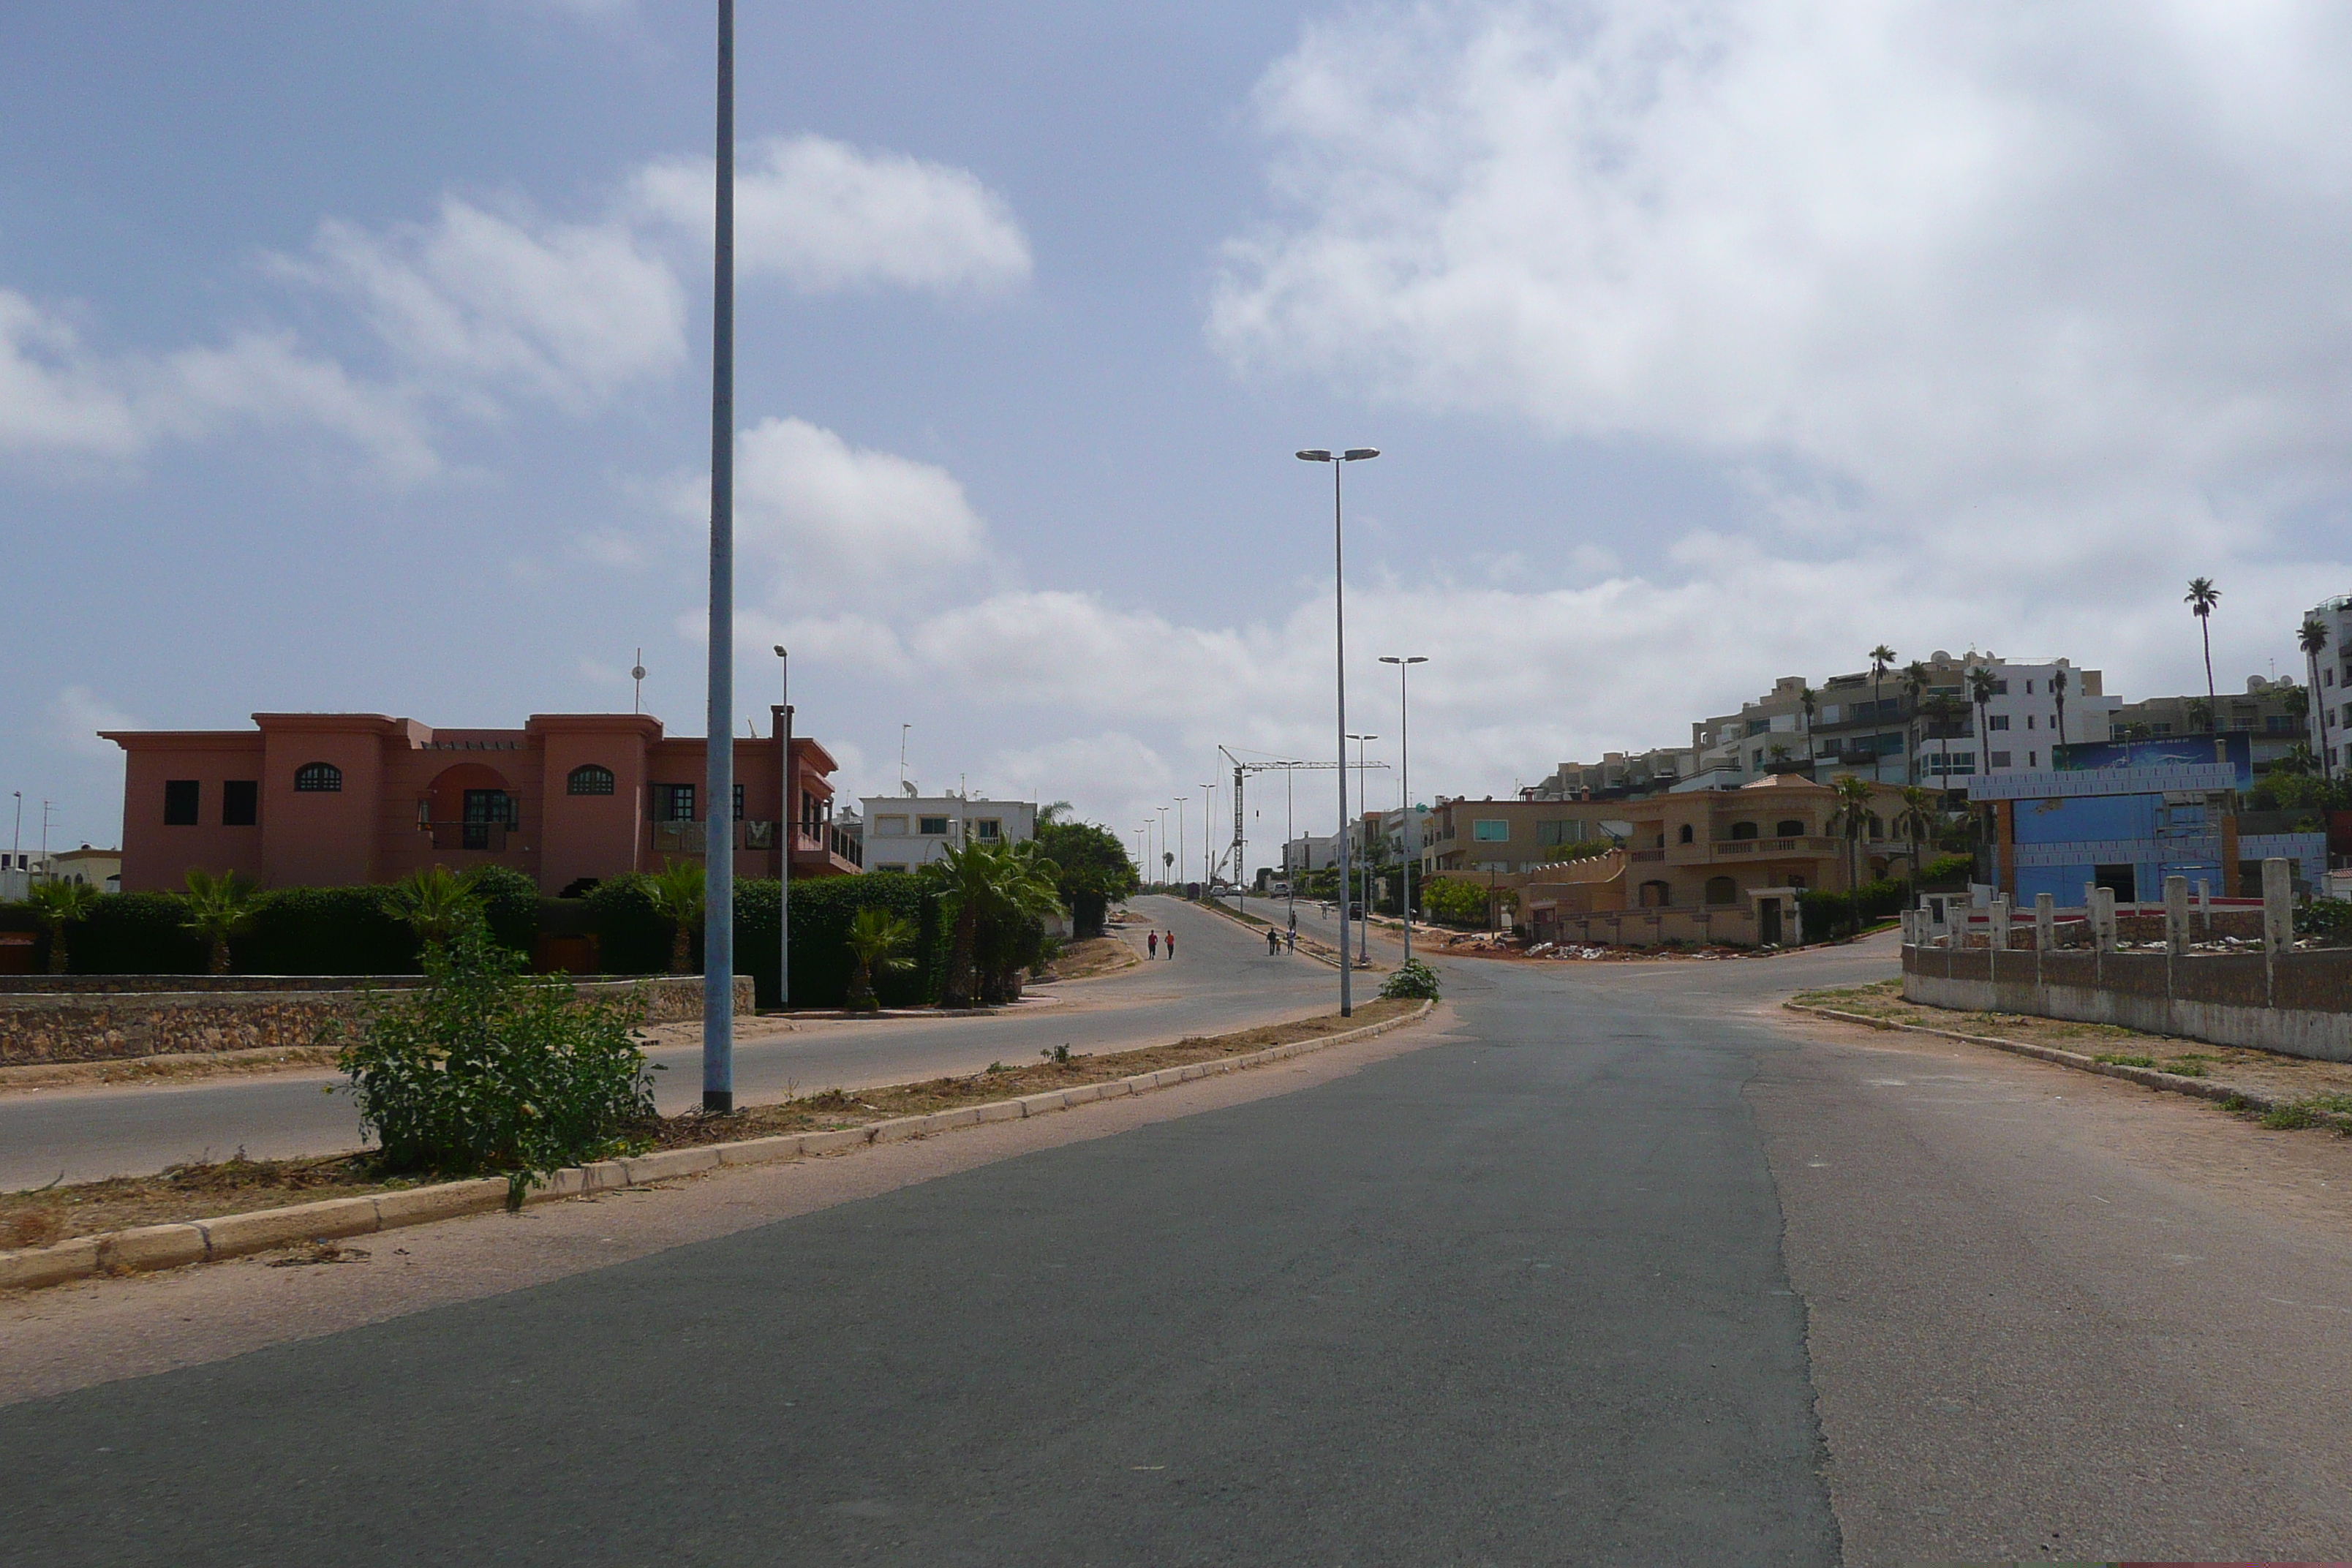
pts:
[81, 1027]
[2298, 1004]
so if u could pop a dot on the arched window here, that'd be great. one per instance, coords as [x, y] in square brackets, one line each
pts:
[1685, 836]
[1792, 829]
[318, 778]
[1743, 830]
[588, 778]
[1877, 828]
[1722, 890]
[1656, 895]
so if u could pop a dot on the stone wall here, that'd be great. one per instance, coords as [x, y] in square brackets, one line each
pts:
[79, 1027]
[2299, 1004]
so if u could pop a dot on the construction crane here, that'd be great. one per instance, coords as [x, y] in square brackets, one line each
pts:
[1241, 770]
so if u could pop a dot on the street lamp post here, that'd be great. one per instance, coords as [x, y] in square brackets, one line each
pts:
[1160, 855]
[1208, 838]
[1339, 659]
[1183, 854]
[1364, 946]
[719, 763]
[1404, 783]
[787, 835]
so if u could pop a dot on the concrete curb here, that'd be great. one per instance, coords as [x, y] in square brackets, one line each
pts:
[235, 1235]
[2148, 1078]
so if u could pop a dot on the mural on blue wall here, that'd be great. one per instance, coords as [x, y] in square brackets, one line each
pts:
[2173, 752]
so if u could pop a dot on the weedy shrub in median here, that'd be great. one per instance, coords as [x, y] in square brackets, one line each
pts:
[487, 1069]
[1413, 981]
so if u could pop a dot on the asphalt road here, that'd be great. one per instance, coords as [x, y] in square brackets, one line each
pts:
[1617, 1270]
[1220, 979]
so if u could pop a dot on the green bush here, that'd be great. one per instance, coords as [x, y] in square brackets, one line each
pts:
[137, 934]
[2325, 917]
[485, 1070]
[1943, 871]
[324, 930]
[1413, 981]
[1452, 901]
[823, 966]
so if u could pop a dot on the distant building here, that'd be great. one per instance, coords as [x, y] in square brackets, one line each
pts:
[1490, 834]
[335, 799]
[2126, 814]
[21, 870]
[1310, 852]
[2330, 715]
[904, 832]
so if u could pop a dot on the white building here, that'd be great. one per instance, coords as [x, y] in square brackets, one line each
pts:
[100, 868]
[1310, 852]
[903, 832]
[2331, 697]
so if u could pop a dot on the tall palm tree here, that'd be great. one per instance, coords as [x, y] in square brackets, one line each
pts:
[2058, 692]
[984, 888]
[1882, 659]
[435, 902]
[1981, 690]
[1943, 711]
[677, 891]
[2201, 599]
[1849, 819]
[1915, 686]
[1809, 698]
[2315, 642]
[878, 940]
[57, 905]
[218, 909]
[1916, 819]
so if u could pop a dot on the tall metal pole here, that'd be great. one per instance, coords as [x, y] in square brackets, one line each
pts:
[1339, 647]
[1183, 856]
[787, 836]
[1290, 872]
[718, 816]
[1208, 843]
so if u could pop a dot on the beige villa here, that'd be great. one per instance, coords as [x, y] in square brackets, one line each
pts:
[1710, 866]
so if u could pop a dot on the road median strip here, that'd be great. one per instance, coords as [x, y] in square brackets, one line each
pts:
[154, 1247]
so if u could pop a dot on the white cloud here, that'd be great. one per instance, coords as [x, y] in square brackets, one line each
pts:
[569, 312]
[828, 521]
[1940, 251]
[76, 716]
[59, 399]
[829, 216]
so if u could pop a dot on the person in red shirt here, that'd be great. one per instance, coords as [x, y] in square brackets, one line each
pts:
[1151, 941]
[1171, 941]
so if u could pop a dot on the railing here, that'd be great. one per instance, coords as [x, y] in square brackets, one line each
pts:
[679, 838]
[683, 837]
[1646, 855]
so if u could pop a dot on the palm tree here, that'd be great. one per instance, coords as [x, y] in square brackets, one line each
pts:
[678, 891]
[1882, 659]
[57, 905]
[1943, 711]
[2315, 642]
[1851, 820]
[1983, 688]
[2201, 599]
[1915, 686]
[1808, 700]
[218, 909]
[989, 889]
[1916, 819]
[435, 902]
[878, 940]
[2058, 692]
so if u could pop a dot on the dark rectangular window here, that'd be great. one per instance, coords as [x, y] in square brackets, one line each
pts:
[673, 803]
[240, 802]
[739, 803]
[180, 802]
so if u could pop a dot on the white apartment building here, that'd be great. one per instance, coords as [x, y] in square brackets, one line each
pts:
[1309, 852]
[2330, 718]
[904, 832]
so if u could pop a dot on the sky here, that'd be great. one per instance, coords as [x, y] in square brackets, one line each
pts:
[357, 358]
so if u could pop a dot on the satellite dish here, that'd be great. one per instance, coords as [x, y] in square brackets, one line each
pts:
[637, 673]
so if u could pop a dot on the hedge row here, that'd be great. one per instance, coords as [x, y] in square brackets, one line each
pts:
[632, 939]
[1826, 912]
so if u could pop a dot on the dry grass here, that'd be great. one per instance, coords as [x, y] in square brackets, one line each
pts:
[205, 1191]
[166, 1069]
[1096, 955]
[851, 1107]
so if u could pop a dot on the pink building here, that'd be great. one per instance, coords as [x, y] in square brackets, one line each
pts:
[333, 799]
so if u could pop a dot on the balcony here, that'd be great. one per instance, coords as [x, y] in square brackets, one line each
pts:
[481, 837]
[822, 847]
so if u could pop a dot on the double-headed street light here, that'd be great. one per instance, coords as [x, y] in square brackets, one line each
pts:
[1339, 645]
[1405, 784]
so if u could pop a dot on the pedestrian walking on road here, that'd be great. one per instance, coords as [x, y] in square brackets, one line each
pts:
[1273, 942]
[1151, 941]
[1293, 939]
[1170, 942]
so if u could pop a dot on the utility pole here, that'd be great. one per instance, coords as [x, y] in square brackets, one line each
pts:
[1404, 784]
[719, 816]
